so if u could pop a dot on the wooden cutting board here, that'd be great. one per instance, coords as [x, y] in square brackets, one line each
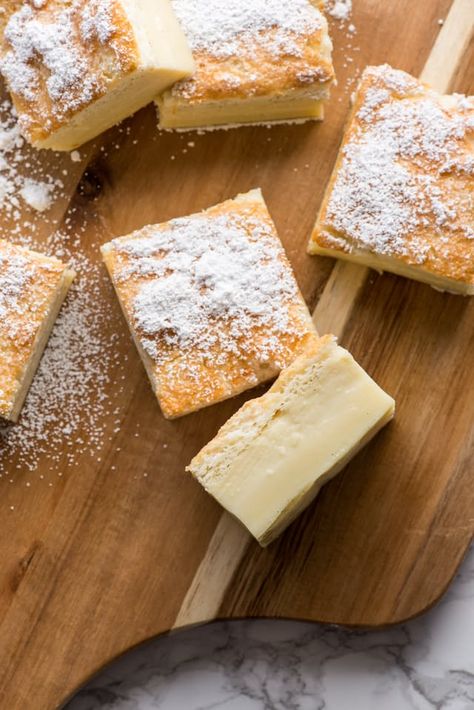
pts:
[123, 545]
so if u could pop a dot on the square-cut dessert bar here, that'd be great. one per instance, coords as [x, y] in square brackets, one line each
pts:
[211, 301]
[32, 289]
[257, 61]
[269, 461]
[401, 197]
[76, 67]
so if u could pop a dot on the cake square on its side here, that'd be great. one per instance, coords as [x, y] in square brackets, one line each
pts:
[32, 289]
[401, 197]
[211, 301]
[257, 61]
[269, 461]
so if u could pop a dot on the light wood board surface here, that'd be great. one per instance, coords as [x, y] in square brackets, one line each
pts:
[123, 545]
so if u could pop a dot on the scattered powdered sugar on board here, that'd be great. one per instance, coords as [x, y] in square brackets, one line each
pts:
[207, 284]
[23, 181]
[390, 186]
[220, 26]
[37, 194]
[70, 404]
[339, 12]
[339, 9]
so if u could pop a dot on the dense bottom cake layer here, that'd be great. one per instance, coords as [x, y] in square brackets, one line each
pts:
[183, 115]
[396, 266]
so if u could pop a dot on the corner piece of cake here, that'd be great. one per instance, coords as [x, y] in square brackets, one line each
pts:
[76, 67]
[32, 289]
[401, 197]
[257, 61]
[269, 461]
[211, 301]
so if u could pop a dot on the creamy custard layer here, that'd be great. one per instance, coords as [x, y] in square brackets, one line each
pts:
[225, 114]
[271, 459]
[400, 268]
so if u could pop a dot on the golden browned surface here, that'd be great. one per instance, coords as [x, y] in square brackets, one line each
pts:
[103, 61]
[186, 379]
[255, 69]
[29, 283]
[257, 74]
[428, 220]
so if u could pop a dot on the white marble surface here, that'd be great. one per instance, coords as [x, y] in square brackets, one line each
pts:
[275, 665]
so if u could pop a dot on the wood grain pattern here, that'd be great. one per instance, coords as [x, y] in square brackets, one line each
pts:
[106, 558]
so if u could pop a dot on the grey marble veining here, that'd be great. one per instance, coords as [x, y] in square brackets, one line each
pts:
[276, 665]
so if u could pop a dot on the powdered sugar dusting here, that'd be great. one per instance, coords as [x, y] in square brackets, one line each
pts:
[29, 37]
[97, 22]
[207, 284]
[49, 53]
[339, 9]
[38, 190]
[70, 405]
[219, 26]
[340, 16]
[397, 172]
[16, 272]
[37, 194]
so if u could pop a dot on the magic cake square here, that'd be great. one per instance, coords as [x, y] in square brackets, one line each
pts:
[76, 67]
[401, 197]
[211, 301]
[32, 289]
[257, 61]
[269, 461]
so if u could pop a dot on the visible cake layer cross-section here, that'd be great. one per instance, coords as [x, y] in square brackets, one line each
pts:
[76, 67]
[257, 61]
[212, 302]
[401, 197]
[32, 289]
[269, 461]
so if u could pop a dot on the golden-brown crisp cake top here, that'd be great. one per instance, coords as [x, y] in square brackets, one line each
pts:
[403, 186]
[58, 56]
[212, 301]
[29, 283]
[253, 48]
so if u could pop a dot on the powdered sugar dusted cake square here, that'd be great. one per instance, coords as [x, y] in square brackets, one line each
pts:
[211, 301]
[32, 289]
[401, 197]
[76, 67]
[257, 61]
